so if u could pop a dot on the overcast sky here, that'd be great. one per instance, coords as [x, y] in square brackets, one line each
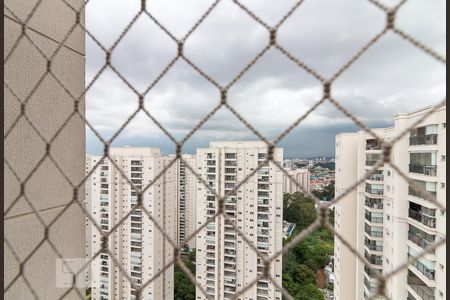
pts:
[392, 77]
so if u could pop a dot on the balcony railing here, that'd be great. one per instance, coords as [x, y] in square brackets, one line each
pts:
[374, 204]
[371, 286]
[371, 273]
[424, 219]
[374, 233]
[429, 170]
[373, 247]
[376, 177]
[374, 260]
[373, 144]
[371, 162]
[412, 192]
[427, 272]
[427, 139]
[373, 219]
[424, 292]
[421, 289]
[372, 191]
[418, 240]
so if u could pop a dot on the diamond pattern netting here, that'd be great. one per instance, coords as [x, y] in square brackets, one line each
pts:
[327, 86]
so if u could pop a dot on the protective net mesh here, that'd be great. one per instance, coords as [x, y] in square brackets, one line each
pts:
[223, 103]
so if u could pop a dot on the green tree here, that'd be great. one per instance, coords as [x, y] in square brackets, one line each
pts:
[309, 292]
[300, 210]
[304, 275]
[184, 288]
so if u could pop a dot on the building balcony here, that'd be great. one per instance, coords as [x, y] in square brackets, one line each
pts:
[264, 210]
[263, 217]
[428, 170]
[263, 232]
[261, 292]
[422, 218]
[373, 247]
[419, 287]
[431, 194]
[374, 203]
[374, 259]
[376, 177]
[427, 272]
[371, 286]
[373, 219]
[370, 163]
[419, 241]
[372, 273]
[427, 139]
[373, 191]
[373, 233]
[373, 144]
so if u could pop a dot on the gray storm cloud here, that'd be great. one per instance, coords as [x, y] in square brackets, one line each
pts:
[391, 77]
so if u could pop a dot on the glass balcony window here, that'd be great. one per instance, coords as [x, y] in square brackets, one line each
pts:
[423, 163]
[417, 285]
[416, 239]
[422, 214]
[371, 159]
[425, 135]
[377, 176]
[375, 203]
[429, 188]
[371, 286]
[374, 231]
[373, 245]
[427, 272]
[374, 259]
[373, 144]
[372, 273]
[374, 217]
[230, 155]
[375, 189]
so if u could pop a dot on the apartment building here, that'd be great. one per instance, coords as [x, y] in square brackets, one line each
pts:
[187, 188]
[137, 244]
[384, 219]
[225, 262]
[302, 176]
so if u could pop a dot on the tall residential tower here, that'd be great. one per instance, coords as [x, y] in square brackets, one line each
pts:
[137, 244]
[225, 262]
[384, 219]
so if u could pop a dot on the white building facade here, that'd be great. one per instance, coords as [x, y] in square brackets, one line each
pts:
[225, 262]
[386, 220]
[187, 189]
[302, 176]
[137, 244]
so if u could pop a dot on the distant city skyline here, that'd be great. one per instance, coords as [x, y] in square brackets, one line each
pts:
[300, 143]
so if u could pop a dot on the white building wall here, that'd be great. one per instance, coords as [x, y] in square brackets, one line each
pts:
[397, 203]
[302, 176]
[230, 163]
[345, 221]
[137, 243]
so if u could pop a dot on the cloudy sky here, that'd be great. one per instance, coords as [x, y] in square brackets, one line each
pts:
[391, 77]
